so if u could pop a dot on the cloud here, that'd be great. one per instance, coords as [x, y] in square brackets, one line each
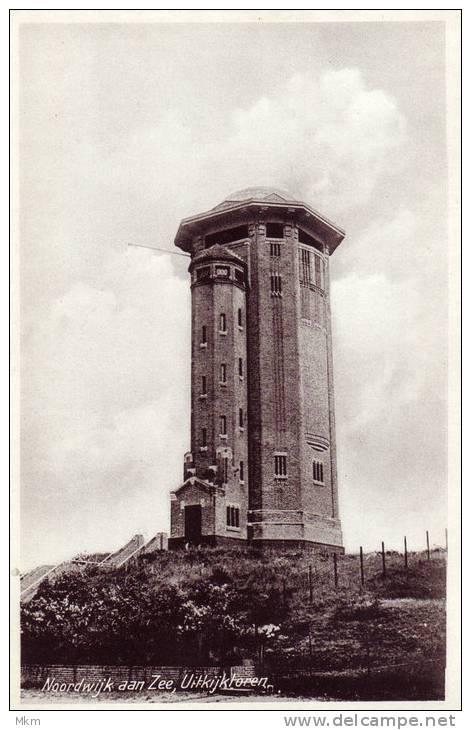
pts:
[328, 138]
[106, 401]
[390, 334]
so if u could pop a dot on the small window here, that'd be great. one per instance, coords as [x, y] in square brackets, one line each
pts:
[275, 230]
[223, 425]
[241, 367]
[305, 267]
[203, 273]
[241, 471]
[223, 272]
[225, 468]
[223, 373]
[318, 471]
[232, 516]
[204, 437]
[275, 250]
[241, 417]
[239, 276]
[275, 280]
[203, 335]
[227, 236]
[280, 465]
[239, 317]
[203, 385]
[222, 323]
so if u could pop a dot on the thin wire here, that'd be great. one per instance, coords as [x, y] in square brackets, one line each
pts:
[154, 248]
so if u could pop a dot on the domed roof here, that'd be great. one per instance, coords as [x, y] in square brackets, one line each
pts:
[259, 193]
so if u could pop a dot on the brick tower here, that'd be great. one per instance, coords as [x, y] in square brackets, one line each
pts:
[262, 465]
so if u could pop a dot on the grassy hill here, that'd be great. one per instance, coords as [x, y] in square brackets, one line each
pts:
[281, 610]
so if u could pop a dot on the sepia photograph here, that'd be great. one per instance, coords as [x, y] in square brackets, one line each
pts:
[235, 427]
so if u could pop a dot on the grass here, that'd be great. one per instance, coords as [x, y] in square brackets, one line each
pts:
[381, 639]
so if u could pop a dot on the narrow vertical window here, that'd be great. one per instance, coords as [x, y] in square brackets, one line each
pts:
[223, 425]
[241, 367]
[203, 335]
[280, 465]
[225, 469]
[222, 322]
[241, 471]
[318, 471]
[204, 437]
[239, 317]
[305, 267]
[275, 281]
[232, 516]
[275, 250]
[203, 385]
[223, 373]
[241, 418]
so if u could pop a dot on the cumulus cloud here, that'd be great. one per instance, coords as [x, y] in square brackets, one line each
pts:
[106, 397]
[327, 138]
[390, 356]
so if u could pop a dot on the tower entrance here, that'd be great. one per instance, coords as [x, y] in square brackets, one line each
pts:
[193, 524]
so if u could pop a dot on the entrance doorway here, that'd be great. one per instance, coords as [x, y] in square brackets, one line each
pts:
[193, 524]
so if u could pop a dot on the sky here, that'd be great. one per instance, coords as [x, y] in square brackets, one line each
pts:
[127, 128]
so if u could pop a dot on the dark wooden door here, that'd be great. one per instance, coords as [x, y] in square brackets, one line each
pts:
[193, 523]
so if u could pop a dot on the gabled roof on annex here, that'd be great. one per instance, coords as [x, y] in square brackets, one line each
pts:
[195, 482]
[239, 202]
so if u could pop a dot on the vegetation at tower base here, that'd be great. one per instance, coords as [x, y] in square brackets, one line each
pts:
[221, 607]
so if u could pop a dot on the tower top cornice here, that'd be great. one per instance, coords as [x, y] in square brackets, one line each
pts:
[256, 202]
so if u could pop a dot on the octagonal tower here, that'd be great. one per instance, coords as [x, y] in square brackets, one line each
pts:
[262, 465]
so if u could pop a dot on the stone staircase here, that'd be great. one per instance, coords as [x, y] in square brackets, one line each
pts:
[30, 582]
[122, 555]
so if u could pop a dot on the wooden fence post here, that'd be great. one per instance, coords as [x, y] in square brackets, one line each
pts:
[310, 584]
[336, 576]
[428, 546]
[362, 574]
[383, 555]
[405, 554]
